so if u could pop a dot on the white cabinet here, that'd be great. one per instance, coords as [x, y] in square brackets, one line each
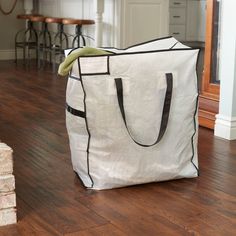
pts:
[188, 19]
[177, 16]
[178, 3]
[143, 20]
[177, 19]
[178, 31]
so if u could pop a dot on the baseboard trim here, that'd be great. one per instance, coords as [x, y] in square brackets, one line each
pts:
[9, 54]
[206, 119]
[208, 108]
[225, 127]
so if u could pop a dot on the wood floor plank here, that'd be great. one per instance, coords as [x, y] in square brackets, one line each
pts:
[104, 230]
[29, 223]
[51, 199]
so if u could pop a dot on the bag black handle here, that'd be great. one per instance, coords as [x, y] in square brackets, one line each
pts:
[165, 111]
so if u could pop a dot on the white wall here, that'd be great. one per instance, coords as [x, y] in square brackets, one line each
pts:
[225, 126]
[125, 22]
[9, 25]
[81, 9]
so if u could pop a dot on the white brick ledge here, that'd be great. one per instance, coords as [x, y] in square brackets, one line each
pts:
[7, 187]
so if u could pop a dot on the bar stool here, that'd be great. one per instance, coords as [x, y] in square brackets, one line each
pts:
[60, 40]
[78, 29]
[44, 40]
[26, 39]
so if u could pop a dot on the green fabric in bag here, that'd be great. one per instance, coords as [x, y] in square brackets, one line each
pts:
[67, 64]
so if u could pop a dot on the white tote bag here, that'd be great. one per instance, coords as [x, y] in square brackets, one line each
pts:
[132, 115]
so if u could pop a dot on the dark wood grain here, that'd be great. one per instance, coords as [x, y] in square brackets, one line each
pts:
[51, 200]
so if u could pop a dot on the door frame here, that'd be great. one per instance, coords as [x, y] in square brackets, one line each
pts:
[209, 94]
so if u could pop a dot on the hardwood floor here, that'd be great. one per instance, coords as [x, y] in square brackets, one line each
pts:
[51, 200]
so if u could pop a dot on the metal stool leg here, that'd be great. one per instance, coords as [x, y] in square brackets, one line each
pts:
[40, 48]
[30, 41]
[49, 45]
[15, 54]
[44, 45]
[59, 48]
[78, 35]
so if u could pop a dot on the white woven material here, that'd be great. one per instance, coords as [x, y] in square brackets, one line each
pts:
[103, 153]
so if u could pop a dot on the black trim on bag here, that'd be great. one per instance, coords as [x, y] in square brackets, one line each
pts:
[87, 127]
[195, 130]
[73, 49]
[174, 45]
[91, 74]
[107, 72]
[144, 52]
[70, 73]
[73, 77]
[139, 44]
[165, 111]
[194, 119]
[108, 65]
[197, 62]
[75, 112]
[79, 178]
[135, 45]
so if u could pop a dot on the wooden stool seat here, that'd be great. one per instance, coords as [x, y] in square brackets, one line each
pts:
[53, 20]
[38, 18]
[78, 29]
[71, 21]
[26, 16]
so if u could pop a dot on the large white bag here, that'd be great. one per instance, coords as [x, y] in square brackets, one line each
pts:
[132, 116]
